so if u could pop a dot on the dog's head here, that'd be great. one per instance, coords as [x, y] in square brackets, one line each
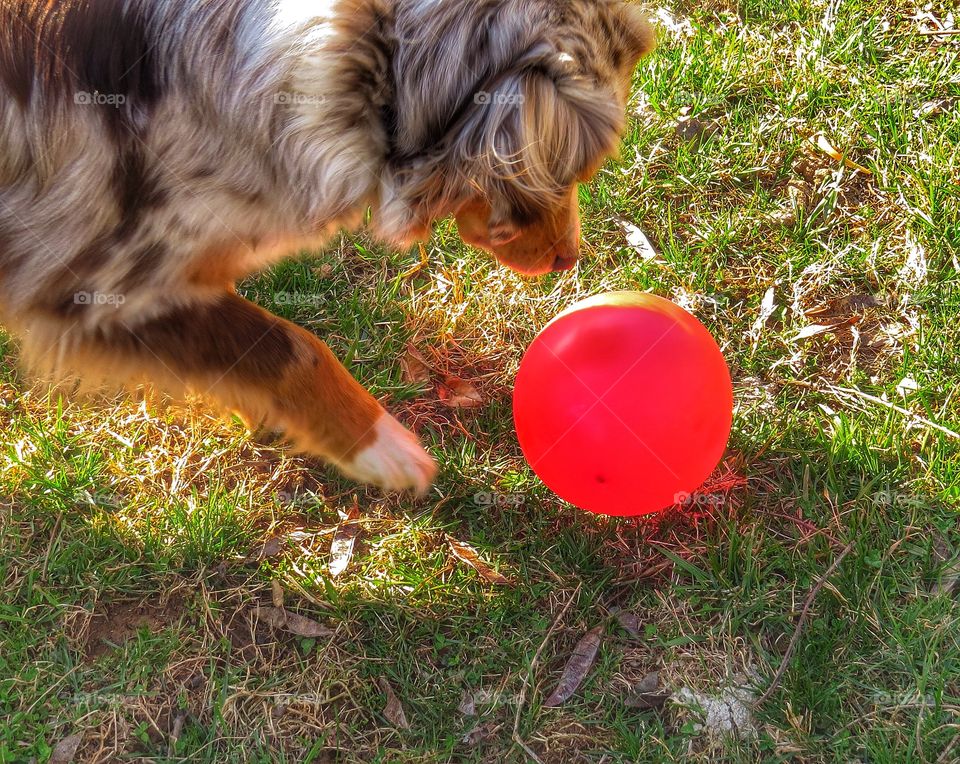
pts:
[501, 108]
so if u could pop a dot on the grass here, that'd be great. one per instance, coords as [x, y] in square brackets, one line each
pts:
[129, 568]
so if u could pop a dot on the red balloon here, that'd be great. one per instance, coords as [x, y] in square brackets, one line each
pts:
[623, 404]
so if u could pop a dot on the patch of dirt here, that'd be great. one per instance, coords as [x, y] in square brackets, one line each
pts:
[117, 622]
[453, 371]
[813, 178]
[120, 724]
[864, 333]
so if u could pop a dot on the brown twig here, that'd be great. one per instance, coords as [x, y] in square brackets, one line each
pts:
[533, 665]
[775, 682]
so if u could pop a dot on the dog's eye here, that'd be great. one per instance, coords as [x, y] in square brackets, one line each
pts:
[503, 233]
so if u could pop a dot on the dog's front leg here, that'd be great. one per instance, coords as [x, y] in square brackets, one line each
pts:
[271, 371]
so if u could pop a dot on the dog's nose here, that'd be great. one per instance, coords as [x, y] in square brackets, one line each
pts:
[564, 263]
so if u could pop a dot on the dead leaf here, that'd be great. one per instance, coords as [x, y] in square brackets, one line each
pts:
[341, 548]
[948, 566]
[694, 130]
[479, 733]
[824, 145]
[647, 693]
[638, 240]
[577, 668]
[269, 548]
[276, 594]
[942, 549]
[414, 366]
[66, 749]
[393, 711]
[851, 303]
[468, 703]
[678, 27]
[470, 556]
[459, 394]
[949, 578]
[813, 330]
[931, 108]
[630, 623]
[767, 306]
[907, 385]
[295, 624]
[914, 270]
[178, 721]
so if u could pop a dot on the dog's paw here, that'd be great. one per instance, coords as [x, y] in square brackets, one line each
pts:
[394, 461]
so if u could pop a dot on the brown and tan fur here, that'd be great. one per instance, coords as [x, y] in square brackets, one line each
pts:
[154, 152]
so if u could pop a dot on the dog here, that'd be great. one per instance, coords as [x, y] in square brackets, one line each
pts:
[155, 152]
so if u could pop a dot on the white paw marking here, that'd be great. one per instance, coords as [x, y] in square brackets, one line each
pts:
[394, 461]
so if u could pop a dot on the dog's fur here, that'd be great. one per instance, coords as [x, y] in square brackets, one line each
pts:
[153, 152]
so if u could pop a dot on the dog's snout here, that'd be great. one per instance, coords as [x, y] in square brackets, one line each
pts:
[562, 263]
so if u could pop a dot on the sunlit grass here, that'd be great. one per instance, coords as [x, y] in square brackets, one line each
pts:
[138, 523]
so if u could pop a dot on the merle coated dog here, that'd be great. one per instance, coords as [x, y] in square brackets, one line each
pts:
[153, 152]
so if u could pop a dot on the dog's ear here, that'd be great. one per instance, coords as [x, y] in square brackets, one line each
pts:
[638, 36]
[519, 126]
[582, 125]
[536, 133]
[528, 138]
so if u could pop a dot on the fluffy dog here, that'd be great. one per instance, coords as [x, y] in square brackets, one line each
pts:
[154, 152]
